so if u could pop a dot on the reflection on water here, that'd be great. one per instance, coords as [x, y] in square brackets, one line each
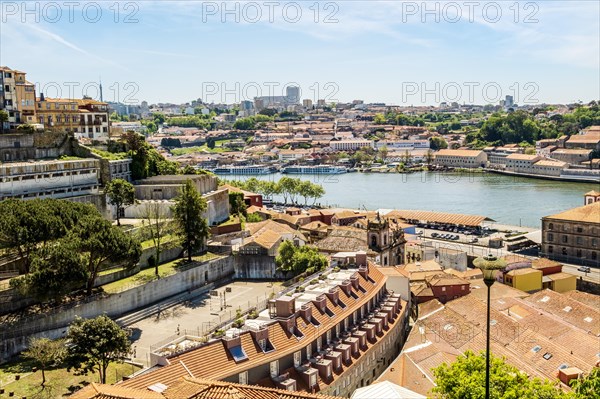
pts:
[506, 199]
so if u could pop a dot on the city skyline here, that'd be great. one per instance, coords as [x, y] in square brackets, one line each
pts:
[386, 55]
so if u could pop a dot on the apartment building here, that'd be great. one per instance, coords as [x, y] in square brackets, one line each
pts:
[49, 179]
[573, 236]
[402, 144]
[461, 158]
[520, 163]
[336, 335]
[17, 97]
[86, 118]
[590, 139]
[350, 145]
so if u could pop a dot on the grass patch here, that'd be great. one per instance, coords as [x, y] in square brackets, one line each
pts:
[112, 156]
[147, 275]
[165, 240]
[203, 148]
[59, 381]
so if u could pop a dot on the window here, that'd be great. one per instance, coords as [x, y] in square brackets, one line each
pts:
[243, 377]
[550, 249]
[308, 351]
[579, 229]
[594, 242]
[274, 368]
[550, 237]
[443, 288]
[297, 358]
[594, 255]
[565, 239]
[579, 240]
[579, 253]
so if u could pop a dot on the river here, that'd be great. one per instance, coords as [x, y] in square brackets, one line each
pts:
[506, 199]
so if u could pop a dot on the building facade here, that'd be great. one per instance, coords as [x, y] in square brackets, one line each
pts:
[86, 118]
[17, 97]
[461, 158]
[336, 336]
[49, 179]
[573, 236]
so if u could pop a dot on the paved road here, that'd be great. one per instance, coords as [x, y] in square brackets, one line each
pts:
[196, 315]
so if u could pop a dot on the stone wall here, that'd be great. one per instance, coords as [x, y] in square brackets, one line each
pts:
[116, 305]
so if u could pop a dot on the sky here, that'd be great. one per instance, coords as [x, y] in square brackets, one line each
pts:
[397, 52]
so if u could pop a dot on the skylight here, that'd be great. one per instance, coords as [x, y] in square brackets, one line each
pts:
[536, 349]
[547, 356]
[158, 387]
[588, 319]
[563, 366]
[238, 353]
[545, 299]
[493, 322]
[448, 327]
[567, 309]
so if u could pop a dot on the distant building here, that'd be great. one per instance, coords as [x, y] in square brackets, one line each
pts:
[571, 155]
[350, 145]
[17, 97]
[49, 179]
[86, 118]
[461, 158]
[573, 236]
[307, 103]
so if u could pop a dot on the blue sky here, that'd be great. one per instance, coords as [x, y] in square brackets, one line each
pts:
[394, 52]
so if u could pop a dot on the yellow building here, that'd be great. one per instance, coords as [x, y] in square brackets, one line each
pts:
[528, 280]
[560, 282]
[86, 118]
[17, 97]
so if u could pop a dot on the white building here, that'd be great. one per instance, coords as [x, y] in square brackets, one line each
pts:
[350, 145]
[402, 144]
[461, 158]
[49, 179]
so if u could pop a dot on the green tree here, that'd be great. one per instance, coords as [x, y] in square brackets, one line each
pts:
[465, 379]
[268, 112]
[244, 124]
[188, 210]
[288, 187]
[3, 119]
[56, 271]
[379, 119]
[383, 152]
[121, 193]
[210, 143]
[95, 343]
[588, 386]
[438, 143]
[45, 353]
[101, 243]
[155, 217]
[237, 205]
[298, 260]
[28, 225]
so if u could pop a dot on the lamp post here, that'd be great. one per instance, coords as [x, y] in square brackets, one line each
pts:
[489, 265]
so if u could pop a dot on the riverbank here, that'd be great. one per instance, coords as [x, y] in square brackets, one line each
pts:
[581, 179]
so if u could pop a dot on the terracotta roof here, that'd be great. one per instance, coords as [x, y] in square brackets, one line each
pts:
[588, 213]
[344, 238]
[196, 388]
[439, 217]
[593, 193]
[102, 391]
[542, 263]
[551, 162]
[200, 362]
[459, 153]
[590, 137]
[561, 276]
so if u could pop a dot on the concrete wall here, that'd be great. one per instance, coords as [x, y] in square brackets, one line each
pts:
[116, 305]
[256, 267]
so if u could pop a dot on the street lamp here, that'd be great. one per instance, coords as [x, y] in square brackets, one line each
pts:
[489, 265]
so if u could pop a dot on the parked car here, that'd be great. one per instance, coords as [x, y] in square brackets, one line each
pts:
[584, 269]
[455, 237]
[434, 235]
[474, 239]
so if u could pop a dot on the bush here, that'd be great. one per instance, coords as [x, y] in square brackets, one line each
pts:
[219, 333]
[238, 323]
[314, 281]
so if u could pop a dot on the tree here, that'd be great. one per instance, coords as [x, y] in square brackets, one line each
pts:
[100, 242]
[587, 386]
[155, 215]
[3, 119]
[56, 271]
[46, 353]
[289, 188]
[291, 258]
[438, 143]
[465, 379]
[29, 225]
[383, 151]
[379, 119]
[188, 210]
[95, 343]
[237, 205]
[121, 193]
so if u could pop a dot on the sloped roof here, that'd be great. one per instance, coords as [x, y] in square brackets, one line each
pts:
[588, 213]
[387, 390]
